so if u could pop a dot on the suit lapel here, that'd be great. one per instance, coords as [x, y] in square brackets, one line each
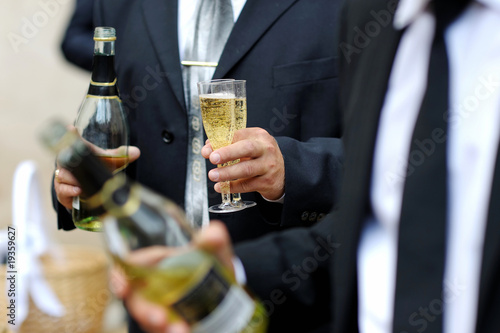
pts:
[364, 85]
[161, 20]
[489, 287]
[363, 102]
[247, 30]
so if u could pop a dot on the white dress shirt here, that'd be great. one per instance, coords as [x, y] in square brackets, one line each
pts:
[187, 14]
[473, 44]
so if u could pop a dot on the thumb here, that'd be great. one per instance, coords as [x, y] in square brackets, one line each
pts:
[133, 153]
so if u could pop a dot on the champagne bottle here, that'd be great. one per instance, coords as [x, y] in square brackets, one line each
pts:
[149, 238]
[101, 121]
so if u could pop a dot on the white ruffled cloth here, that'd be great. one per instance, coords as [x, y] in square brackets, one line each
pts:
[31, 242]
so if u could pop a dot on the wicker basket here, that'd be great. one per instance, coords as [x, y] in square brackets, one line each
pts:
[79, 279]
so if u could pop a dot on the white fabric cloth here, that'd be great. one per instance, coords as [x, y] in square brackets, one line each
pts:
[473, 43]
[31, 242]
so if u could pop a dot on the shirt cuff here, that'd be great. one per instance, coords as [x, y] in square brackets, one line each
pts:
[280, 200]
[239, 271]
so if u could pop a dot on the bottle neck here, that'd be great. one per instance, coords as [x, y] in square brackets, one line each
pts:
[98, 183]
[149, 218]
[104, 47]
[85, 166]
[103, 81]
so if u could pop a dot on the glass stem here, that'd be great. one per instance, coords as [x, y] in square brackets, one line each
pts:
[236, 198]
[226, 195]
[225, 188]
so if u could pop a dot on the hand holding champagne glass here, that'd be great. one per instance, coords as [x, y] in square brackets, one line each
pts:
[217, 103]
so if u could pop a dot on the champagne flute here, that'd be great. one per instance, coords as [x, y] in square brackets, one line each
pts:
[217, 102]
[240, 115]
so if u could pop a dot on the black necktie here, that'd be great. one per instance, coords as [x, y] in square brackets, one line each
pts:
[419, 301]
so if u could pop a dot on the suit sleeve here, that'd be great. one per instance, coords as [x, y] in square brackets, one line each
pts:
[289, 272]
[313, 173]
[64, 219]
[78, 44]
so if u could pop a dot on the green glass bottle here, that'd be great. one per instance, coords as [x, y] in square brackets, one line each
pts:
[149, 237]
[101, 121]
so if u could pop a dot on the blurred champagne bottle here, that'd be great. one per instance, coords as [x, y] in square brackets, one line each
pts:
[150, 239]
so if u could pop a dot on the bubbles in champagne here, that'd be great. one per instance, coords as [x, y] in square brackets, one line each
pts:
[240, 113]
[217, 112]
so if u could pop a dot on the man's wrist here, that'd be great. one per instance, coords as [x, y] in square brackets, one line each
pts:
[279, 200]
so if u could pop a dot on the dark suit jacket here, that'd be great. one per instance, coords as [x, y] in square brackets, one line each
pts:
[311, 273]
[78, 44]
[285, 50]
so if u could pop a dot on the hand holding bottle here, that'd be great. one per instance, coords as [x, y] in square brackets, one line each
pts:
[154, 318]
[262, 168]
[67, 187]
[149, 238]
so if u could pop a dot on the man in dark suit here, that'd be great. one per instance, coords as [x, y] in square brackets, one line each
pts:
[285, 50]
[348, 272]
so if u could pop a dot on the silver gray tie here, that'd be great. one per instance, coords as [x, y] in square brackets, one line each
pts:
[214, 23]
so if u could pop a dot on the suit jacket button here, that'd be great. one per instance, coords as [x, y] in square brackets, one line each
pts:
[321, 216]
[312, 217]
[167, 137]
[305, 216]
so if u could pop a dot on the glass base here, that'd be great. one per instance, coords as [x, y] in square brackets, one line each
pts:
[222, 208]
[243, 204]
[232, 207]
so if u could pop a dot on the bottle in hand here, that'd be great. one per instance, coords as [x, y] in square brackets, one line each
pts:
[101, 122]
[149, 238]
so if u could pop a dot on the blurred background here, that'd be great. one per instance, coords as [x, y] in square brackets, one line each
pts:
[36, 84]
